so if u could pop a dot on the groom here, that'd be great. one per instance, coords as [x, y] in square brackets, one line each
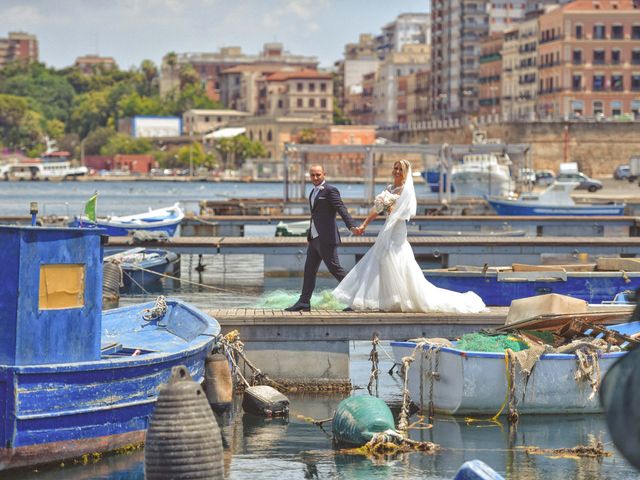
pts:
[323, 236]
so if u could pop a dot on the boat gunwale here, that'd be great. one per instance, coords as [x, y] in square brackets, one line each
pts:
[443, 272]
[474, 354]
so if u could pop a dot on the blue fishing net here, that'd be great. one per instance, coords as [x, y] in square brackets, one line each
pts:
[280, 299]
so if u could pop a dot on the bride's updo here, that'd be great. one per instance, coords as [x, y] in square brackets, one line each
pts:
[405, 166]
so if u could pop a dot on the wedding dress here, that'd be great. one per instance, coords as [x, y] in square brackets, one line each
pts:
[388, 277]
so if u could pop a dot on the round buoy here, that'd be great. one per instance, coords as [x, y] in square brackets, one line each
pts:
[217, 382]
[183, 439]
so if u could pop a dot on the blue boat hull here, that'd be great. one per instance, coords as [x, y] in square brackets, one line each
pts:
[432, 177]
[135, 277]
[500, 293]
[53, 412]
[515, 209]
[112, 231]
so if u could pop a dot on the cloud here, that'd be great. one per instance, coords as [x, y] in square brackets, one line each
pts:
[23, 15]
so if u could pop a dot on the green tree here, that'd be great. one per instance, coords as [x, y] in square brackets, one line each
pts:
[307, 135]
[122, 144]
[12, 111]
[235, 150]
[97, 139]
[150, 72]
[54, 128]
[89, 111]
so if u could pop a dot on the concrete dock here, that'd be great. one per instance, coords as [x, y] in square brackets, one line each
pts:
[316, 344]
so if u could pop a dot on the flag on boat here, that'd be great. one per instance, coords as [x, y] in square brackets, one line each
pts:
[90, 208]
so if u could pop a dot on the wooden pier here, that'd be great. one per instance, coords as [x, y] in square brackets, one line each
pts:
[287, 254]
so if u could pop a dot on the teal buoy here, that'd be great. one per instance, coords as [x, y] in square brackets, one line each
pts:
[358, 419]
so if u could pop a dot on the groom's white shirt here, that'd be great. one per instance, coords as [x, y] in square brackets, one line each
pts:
[314, 194]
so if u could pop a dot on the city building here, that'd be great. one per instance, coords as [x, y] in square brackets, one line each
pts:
[88, 64]
[302, 93]
[211, 65]
[139, 163]
[457, 28]
[359, 102]
[589, 60]
[510, 77]
[418, 87]
[413, 58]
[142, 126]
[19, 46]
[198, 122]
[490, 76]
[523, 105]
[406, 29]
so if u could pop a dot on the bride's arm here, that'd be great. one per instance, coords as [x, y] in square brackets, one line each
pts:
[373, 214]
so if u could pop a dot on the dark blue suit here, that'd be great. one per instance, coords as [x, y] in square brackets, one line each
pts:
[324, 247]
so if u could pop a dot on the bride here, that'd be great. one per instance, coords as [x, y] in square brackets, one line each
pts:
[388, 276]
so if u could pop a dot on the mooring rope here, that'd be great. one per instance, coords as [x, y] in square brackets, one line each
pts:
[157, 311]
[373, 357]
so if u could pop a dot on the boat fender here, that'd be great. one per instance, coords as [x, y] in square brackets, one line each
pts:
[357, 419]
[183, 439]
[477, 470]
[265, 400]
[217, 382]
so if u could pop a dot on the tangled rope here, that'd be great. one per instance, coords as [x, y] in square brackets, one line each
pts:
[391, 442]
[157, 311]
[588, 369]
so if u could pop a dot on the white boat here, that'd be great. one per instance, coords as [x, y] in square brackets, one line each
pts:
[52, 170]
[475, 383]
[482, 174]
[555, 200]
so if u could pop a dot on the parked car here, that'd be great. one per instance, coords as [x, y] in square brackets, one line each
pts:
[586, 183]
[545, 177]
[622, 172]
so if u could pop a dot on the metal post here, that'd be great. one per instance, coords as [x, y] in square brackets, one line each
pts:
[369, 190]
[285, 158]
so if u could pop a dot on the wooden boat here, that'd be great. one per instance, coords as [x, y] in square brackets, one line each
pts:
[498, 286]
[75, 380]
[143, 267]
[555, 200]
[476, 383]
[159, 220]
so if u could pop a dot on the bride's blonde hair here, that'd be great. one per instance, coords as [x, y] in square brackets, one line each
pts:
[405, 166]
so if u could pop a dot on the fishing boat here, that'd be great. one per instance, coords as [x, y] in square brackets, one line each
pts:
[159, 220]
[555, 200]
[144, 267]
[482, 174]
[75, 380]
[499, 286]
[431, 177]
[476, 383]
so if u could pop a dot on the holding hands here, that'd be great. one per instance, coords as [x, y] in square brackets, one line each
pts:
[357, 231]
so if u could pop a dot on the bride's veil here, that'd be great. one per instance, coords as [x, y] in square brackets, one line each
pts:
[406, 204]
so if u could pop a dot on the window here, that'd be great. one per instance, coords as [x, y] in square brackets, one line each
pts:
[299, 86]
[578, 31]
[61, 286]
[323, 103]
[616, 108]
[576, 83]
[269, 136]
[577, 107]
[299, 102]
[598, 57]
[616, 83]
[598, 108]
[635, 32]
[635, 108]
[617, 32]
[635, 57]
[577, 57]
[599, 32]
[615, 57]
[312, 87]
[635, 82]
[312, 102]
[598, 82]
[323, 87]
[280, 104]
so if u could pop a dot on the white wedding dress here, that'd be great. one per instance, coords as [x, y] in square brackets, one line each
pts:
[388, 277]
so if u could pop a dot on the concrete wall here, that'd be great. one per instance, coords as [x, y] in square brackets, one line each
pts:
[598, 147]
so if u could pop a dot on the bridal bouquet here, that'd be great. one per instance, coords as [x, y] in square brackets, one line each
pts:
[384, 201]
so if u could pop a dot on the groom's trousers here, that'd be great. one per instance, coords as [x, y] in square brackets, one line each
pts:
[317, 252]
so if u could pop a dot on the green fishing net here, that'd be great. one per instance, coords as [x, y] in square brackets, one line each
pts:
[478, 342]
[280, 299]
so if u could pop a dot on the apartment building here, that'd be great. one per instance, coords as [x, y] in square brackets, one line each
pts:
[417, 97]
[359, 102]
[589, 60]
[406, 29]
[88, 64]
[202, 121]
[19, 46]
[302, 93]
[211, 65]
[523, 104]
[413, 58]
[490, 75]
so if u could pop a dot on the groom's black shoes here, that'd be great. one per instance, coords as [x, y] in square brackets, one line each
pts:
[348, 309]
[298, 307]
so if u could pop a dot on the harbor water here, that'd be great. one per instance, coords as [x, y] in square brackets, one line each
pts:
[293, 448]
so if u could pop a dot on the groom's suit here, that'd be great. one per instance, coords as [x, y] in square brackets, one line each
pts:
[323, 236]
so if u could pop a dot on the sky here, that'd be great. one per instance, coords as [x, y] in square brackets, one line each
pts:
[134, 30]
